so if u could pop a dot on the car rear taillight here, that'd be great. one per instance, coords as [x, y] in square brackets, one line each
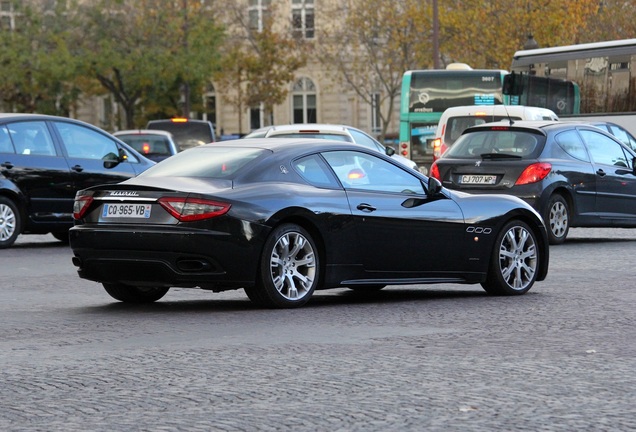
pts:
[193, 209]
[81, 205]
[435, 171]
[534, 173]
[438, 148]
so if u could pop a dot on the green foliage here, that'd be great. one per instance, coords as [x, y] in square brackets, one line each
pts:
[144, 52]
[36, 64]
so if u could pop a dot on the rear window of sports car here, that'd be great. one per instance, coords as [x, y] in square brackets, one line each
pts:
[206, 162]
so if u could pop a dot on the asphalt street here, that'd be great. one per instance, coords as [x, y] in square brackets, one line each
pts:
[408, 358]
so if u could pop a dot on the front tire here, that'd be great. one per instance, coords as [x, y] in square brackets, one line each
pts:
[557, 219]
[133, 294]
[514, 262]
[10, 222]
[289, 269]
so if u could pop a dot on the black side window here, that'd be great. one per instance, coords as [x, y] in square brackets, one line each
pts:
[5, 141]
[313, 169]
[85, 143]
[604, 150]
[31, 138]
[570, 142]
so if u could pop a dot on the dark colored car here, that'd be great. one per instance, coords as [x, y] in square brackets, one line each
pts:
[284, 217]
[44, 160]
[573, 174]
[186, 132]
[156, 145]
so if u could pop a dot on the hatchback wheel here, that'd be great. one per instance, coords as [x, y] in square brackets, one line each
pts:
[289, 269]
[10, 223]
[514, 262]
[557, 218]
[133, 294]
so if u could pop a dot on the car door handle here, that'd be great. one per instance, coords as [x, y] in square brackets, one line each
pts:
[78, 168]
[366, 207]
[601, 173]
[7, 165]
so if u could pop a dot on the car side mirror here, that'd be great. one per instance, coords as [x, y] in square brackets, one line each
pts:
[434, 187]
[634, 166]
[111, 160]
[390, 151]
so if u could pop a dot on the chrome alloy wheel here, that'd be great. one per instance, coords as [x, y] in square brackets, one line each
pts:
[293, 266]
[7, 222]
[558, 219]
[518, 258]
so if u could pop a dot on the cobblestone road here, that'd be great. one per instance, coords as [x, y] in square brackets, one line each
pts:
[436, 358]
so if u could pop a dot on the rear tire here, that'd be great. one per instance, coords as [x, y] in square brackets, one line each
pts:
[514, 263]
[133, 294]
[289, 269]
[61, 236]
[10, 222]
[557, 219]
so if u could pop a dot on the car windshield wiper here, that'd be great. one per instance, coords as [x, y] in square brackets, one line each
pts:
[499, 156]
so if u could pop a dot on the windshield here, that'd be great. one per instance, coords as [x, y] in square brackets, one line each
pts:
[474, 145]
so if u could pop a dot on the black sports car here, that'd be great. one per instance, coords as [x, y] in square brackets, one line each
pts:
[284, 217]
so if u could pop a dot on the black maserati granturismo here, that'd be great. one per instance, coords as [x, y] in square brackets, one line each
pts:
[283, 217]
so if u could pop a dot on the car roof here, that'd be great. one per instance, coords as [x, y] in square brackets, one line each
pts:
[528, 124]
[282, 144]
[314, 127]
[498, 109]
[143, 132]
[43, 117]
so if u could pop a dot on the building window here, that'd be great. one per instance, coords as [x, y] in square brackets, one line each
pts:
[304, 100]
[6, 15]
[256, 117]
[376, 119]
[209, 102]
[303, 18]
[258, 12]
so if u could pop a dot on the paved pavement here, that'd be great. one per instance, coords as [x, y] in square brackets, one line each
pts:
[435, 358]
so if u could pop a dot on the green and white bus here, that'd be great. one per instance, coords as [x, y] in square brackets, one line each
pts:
[426, 94]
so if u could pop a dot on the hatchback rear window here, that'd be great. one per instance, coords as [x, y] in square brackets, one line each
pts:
[148, 144]
[209, 162]
[186, 134]
[508, 142]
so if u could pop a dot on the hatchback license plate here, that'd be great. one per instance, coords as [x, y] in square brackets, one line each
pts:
[479, 179]
[126, 210]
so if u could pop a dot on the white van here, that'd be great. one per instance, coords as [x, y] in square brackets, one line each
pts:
[456, 120]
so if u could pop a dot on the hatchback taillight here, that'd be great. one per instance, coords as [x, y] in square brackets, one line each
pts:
[193, 209]
[81, 205]
[435, 172]
[534, 173]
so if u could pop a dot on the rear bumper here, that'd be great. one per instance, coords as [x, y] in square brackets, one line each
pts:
[169, 257]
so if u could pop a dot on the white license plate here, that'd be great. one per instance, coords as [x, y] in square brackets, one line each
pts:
[126, 210]
[479, 179]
